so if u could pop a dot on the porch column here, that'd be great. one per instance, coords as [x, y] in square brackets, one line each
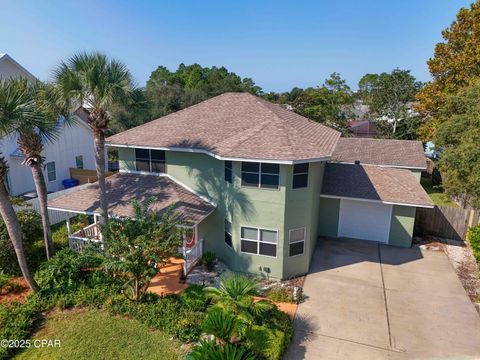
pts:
[184, 252]
[69, 232]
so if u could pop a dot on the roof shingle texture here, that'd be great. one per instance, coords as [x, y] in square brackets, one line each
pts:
[374, 183]
[236, 125]
[383, 152]
[123, 188]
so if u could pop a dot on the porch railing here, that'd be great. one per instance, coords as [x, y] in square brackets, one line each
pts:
[192, 256]
[79, 239]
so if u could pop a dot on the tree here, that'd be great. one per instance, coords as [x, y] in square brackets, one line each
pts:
[98, 83]
[330, 104]
[387, 96]
[134, 248]
[458, 132]
[455, 64]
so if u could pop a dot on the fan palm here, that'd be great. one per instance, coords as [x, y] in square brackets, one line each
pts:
[32, 132]
[235, 294]
[208, 350]
[98, 83]
[14, 103]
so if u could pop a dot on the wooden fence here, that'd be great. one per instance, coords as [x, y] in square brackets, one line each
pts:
[445, 221]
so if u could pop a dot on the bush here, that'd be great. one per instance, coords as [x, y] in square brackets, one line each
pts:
[281, 295]
[208, 258]
[31, 225]
[208, 350]
[194, 298]
[66, 271]
[474, 240]
[265, 342]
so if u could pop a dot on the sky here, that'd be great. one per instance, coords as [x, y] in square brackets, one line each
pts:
[279, 44]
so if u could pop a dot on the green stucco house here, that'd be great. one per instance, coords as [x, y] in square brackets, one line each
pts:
[259, 185]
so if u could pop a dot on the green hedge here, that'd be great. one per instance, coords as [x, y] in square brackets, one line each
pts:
[474, 240]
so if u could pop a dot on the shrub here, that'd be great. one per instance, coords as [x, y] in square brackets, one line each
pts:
[265, 342]
[280, 295]
[66, 271]
[31, 225]
[208, 258]
[208, 350]
[474, 240]
[194, 298]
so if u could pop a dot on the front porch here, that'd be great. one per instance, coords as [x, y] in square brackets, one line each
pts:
[123, 188]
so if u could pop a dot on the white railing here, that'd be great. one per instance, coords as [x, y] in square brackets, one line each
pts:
[192, 256]
[79, 239]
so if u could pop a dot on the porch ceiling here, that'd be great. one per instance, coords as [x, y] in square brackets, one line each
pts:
[123, 188]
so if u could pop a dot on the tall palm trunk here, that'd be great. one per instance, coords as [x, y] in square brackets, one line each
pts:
[41, 188]
[99, 139]
[30, 143]
[14, 232]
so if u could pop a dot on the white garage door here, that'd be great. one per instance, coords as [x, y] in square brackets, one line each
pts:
[364, 220]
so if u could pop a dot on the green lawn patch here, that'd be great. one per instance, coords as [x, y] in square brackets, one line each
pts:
[95, 334]
[437, 193]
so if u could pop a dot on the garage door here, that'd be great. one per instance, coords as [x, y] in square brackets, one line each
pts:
[364, 220]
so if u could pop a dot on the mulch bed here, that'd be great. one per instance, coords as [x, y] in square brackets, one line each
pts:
[16, 295]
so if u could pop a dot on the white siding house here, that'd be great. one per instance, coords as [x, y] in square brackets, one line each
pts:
[74, 147]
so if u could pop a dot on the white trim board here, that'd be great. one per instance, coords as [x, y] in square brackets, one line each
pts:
[227, 158]
[376, 201]
[382, 165]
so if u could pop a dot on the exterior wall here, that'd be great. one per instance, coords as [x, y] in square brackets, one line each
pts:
[417, 174]
[74, 140]
[401, 226]
[328, 217]
[302, 210]
[8, 69]
[282, 210]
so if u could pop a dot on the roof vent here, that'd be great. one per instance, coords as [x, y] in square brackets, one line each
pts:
[357, 162]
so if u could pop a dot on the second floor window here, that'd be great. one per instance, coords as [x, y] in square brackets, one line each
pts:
[51, 171]
[150, 160]
[228, 171]
[262, 175]
[79, 161]
[300, 176]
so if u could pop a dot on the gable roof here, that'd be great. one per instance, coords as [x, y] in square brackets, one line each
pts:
[122, 189]
[236, 126]
[25, 72]
[374, 183]
[381, 152]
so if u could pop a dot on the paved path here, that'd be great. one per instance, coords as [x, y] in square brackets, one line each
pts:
[371, 301]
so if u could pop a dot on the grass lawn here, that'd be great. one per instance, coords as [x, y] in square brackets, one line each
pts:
[94, 334]
[437, 194]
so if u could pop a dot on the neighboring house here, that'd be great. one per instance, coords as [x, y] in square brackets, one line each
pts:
[258, 184]
[73, 148]
[362, 128]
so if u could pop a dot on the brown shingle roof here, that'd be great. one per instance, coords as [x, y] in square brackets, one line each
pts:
[236, 125]
[384, 152]
[123, 188]
[384, 184]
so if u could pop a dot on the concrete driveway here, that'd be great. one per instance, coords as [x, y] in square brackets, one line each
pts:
[372, 301]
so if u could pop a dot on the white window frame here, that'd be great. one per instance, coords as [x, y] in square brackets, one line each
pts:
[225, 232]
[76, 161]
[297, 241]
[258, 241]
[259, 186]
[302, 173]
[54, 171]
[150, 161]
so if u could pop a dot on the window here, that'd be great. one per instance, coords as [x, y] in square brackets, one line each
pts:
[300, 176]
[51, 171]
[150, 160]
[262, 175]
[228, 171]
[79, 161]
[228, 233]
[258, 241]
[296, 240]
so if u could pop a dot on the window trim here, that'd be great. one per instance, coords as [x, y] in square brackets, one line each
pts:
[225, 232]
[259, 241]
[150, 161]
[76, 162]
[304, 228]
[54, 171]
[259, 186]
[302, 173]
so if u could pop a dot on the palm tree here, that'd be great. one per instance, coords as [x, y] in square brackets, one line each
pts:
[14, 102]
[32, 133]
[98, 83]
